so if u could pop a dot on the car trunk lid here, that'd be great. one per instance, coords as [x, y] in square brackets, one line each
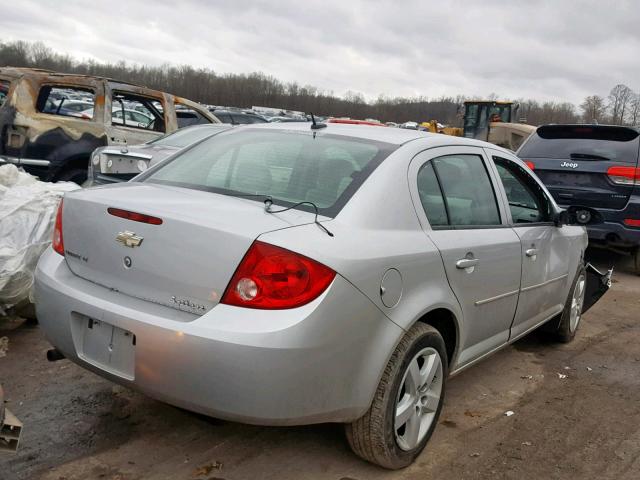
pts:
[577, 162]
[185, 262]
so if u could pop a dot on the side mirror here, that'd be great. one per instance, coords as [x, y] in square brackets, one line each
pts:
[578, 215]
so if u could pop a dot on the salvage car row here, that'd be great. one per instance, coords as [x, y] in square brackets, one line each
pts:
[50, 122]
[321, 272]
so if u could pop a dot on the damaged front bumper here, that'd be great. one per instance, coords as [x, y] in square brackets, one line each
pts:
[598, 284]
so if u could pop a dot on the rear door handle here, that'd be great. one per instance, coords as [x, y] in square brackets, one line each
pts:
[466, 263]
[531, 252]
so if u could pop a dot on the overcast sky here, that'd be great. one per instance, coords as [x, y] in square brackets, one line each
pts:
[549, 50]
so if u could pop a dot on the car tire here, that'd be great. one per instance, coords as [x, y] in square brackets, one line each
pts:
[421, 354]
[570, 317]
[76, 175]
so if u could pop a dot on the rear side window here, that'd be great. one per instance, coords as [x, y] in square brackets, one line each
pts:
[582, 142]
[431, 196]
[467, 194]
[77, 102]
[135, 111]
[4, 91]
[289, 167]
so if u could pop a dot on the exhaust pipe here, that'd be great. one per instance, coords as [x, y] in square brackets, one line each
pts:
[53, 355]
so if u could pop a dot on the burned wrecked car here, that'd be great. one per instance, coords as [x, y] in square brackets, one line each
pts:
[50, 123]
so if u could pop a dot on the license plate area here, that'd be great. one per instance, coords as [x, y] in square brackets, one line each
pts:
[120, 164]
[107, 347]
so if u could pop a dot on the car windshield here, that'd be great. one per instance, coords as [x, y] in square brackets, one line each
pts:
[185, 136]
[582, 142]
[288, 166]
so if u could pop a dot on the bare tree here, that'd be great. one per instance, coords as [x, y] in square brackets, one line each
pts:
[634, 110]
[593, 108]
[619, 98]
[245, 90]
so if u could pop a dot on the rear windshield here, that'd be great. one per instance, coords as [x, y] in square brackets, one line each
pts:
[186, 136]
[582, 142]
[290, 167]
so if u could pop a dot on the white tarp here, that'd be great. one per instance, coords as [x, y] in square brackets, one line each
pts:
[27, 214]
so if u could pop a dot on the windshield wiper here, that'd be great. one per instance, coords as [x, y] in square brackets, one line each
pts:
[269, 202]
[588, 156]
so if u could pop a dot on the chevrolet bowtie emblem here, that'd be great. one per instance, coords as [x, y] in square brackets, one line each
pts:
[129, 239]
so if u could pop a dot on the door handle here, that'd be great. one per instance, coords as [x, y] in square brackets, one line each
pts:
[466, 263]
[531, 252]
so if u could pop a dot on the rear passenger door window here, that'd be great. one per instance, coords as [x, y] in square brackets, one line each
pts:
[66, 101]
[135, 111]
[456, 192]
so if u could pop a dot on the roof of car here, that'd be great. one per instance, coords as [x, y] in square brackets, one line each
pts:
[589, 125]
[396, 136]
[17, 72]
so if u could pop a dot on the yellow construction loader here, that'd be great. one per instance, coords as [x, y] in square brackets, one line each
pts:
[489, 120]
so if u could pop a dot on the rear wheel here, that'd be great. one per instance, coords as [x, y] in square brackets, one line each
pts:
[572, 313]
[407, 403]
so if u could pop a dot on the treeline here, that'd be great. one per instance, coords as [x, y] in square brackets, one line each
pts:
[245, 90]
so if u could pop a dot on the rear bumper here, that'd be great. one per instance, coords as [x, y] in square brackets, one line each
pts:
[317, 363]
[613, 231]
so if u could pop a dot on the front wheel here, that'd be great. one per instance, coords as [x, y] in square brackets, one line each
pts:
[407, 402]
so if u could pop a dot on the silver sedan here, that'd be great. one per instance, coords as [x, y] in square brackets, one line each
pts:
[299, 273]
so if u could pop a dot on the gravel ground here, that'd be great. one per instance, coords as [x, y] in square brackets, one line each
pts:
[585, 425]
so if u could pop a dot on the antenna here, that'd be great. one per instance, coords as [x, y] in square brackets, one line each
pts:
[314, 125]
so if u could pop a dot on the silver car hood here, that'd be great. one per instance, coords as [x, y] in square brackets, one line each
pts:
[186, 262]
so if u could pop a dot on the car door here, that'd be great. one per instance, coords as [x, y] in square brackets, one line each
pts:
[545, 249]
[480, 253]
[122, 129]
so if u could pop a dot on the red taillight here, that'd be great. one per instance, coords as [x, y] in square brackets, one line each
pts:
[58, 242]
[271, 277]
[632, 222]
[136, 217]
[530, 164]
[624, 175]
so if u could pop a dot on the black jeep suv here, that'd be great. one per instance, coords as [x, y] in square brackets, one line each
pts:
[595, 166]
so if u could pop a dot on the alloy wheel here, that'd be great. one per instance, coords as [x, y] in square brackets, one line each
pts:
[418, 398]
[577, 301]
